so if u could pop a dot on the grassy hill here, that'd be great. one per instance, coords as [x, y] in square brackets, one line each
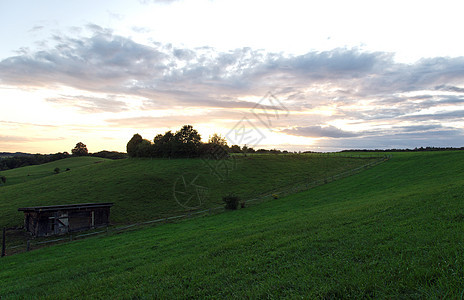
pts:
[26, 174]
[143, 189]
[394, 231]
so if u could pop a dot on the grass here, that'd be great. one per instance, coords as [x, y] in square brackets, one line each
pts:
[394, 231]
[143, 189]
[29, 173]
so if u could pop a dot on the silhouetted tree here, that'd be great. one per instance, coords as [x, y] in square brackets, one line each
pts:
[216, 148]
[80, 150]
[29, 159]
[217, 140]
[144, 149]
[187, 142]
[109, 154]
[164, 145]
[235, 149]
[132, 145]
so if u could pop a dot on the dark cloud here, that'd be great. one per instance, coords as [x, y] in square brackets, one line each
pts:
[114, 64]
[449, 88]
[439, 138]
[320, 131]
[363, 87]
[337, 63]
[439, 116]
[417, 128]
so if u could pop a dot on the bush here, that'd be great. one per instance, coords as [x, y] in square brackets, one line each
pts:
[2, 179]
[231, 201]
[57, 170]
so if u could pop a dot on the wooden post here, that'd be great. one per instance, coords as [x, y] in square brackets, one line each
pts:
[4, 242]
[28, 246]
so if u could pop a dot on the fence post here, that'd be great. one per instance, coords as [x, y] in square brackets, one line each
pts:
[28, 245]
[4, 242]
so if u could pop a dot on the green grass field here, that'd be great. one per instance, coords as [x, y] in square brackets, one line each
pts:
[393, 231]
[26, 174]
[143, 189]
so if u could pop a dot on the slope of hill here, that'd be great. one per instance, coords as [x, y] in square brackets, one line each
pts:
[394, 231]
[28, 173]
[143, 189]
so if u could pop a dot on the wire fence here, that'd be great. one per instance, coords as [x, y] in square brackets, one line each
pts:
[276, 193]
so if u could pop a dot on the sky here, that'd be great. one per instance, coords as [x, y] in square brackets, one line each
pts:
[294, 75]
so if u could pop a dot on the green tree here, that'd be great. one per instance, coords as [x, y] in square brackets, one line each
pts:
[132, 145]
[80, 150]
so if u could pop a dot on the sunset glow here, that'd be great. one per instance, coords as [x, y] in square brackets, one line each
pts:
[343, 75]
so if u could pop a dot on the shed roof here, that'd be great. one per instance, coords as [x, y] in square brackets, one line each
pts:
[66, 207]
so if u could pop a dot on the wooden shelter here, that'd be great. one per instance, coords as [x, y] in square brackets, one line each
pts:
[61, 219]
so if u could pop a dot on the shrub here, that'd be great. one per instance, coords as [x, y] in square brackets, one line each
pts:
[231, 201]
[275, 196]
[2, 179]
[57, 170]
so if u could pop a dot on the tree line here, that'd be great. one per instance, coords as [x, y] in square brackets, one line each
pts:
[186, 143]
[18, 160]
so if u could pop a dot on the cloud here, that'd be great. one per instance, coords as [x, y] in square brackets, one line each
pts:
[439, 116]
[25, 139]
[447, 137]
[367, 88]
[110, 63]
[449, 88]
[36, 28]
[175, 120]
[320, 131]
[91, 104]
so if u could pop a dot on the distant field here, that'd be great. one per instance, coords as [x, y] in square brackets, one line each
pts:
[143, 189]
[25, 174]
[393, 231]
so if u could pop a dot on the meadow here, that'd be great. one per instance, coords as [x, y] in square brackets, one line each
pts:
[143, 189]
[393, 231]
